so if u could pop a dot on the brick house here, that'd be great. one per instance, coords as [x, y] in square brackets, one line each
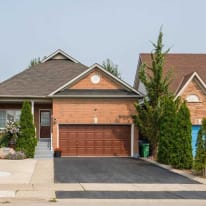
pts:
[188, 80]
[84, 111]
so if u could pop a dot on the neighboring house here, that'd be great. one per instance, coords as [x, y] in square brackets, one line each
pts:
[84, 111]
[188, 78]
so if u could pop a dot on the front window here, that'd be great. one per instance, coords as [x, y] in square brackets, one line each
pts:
[192, 98]
[9, 115]
[2, 118]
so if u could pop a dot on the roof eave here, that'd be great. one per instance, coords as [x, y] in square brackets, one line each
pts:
[96, 96]
[22, 96]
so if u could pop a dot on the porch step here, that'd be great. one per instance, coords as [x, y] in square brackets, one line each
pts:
[43, 146]
[42, 149]
[49, 156]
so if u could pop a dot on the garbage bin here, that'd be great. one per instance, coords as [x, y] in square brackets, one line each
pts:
[144, 152]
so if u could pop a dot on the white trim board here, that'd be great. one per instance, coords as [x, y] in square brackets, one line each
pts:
[57, 135]
[132, 140]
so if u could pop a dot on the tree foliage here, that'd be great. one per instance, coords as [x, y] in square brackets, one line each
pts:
[34, 61]
[147, 121]
[181, 154]
[200, 156]
[26, 141]
[154, 79]
[111, 67]
[156, 83]
[163, 121]
[167, 129]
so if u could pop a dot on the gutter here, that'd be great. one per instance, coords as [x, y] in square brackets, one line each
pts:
[96, 96]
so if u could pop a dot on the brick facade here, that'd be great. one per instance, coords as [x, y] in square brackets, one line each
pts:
[197, 109]
[92, 111]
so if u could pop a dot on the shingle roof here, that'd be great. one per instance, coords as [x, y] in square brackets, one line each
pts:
[181, 65]
[41, 79]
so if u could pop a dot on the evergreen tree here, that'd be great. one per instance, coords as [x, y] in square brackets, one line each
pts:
[167, 130]
[111, 67]
[181, 154]
[26, 141]
[200, 156]
[156, 84]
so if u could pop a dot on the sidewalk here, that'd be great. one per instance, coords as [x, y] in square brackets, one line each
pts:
[29, 179]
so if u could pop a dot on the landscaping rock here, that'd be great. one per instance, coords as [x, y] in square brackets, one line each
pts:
[4, 151]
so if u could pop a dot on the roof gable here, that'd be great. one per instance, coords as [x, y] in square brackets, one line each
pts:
[109, 81]
[104, 81]
[187, 80]
[60, 55]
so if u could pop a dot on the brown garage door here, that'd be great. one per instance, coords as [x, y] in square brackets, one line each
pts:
[95, 140]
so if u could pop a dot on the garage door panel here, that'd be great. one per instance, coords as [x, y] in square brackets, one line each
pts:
[90, 143]
[99, 151]
[70, 152]
[107, 143]
[99, 143]
[95, 140]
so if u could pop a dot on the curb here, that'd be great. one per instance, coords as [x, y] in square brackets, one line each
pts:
[180, 172]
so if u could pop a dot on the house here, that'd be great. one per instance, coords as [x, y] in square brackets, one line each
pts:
[85, 111]
[188, 80]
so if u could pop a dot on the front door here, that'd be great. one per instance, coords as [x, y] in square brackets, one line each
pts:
[45, 124]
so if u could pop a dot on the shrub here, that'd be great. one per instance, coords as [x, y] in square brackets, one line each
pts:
[200, 156]
[26, 141]
[167, 130]
[4, 140]
[181, 157]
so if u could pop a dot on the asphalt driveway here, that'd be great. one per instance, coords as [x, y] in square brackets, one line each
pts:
[113, 170]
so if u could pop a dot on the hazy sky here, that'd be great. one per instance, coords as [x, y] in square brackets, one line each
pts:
[93, 30]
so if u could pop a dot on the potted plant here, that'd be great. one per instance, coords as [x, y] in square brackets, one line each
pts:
[57, 152]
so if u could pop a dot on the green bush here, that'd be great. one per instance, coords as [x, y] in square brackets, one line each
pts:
[200, 156]
[4, 140]
[167, 130]
[181, 157]
[26, 141]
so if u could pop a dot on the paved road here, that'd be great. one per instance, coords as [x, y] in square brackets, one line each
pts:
[131, 195]
[113, 170]
[110, 202]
